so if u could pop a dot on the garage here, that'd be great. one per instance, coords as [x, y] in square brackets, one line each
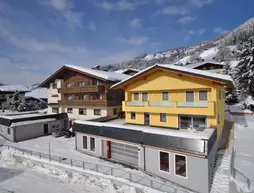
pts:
[125, 153]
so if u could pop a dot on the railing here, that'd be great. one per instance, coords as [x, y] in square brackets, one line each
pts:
[105, 169]
[172, 107]
[236, 174]
[83, 89]
[97, 103]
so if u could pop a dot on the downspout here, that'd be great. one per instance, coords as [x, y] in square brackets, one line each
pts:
[14, 133]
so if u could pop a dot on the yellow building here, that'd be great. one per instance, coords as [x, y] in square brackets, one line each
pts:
[175, 97]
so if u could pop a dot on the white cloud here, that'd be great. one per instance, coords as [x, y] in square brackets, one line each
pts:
[221, 30]
[191, 32]
[137, 40]
[174, 10]
[201, 3]
[92, 26]
[136, 23]
[186, 19]
[201, 31]
[119, 5]
[65, 7]
[61, 5]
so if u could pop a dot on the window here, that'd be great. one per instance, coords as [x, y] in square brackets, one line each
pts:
[203, 95]
[221, 95]
[197, 122]
[136, 96]
[10, 96]
[70, 84]
[163, 117]
[97, 111]
[92, 143]
[180, 165]
[71, 97]
[54, 85]
[9, 131]
[97, 97]
[165, 96]
[133, 116]
[144, 96]
[55, 110]
[83, 83]
[69, 110]
[85, 142]
[82, 111]
[164, 161]
[54, 95]
[219, 118]
[115, 111]
[189, 96]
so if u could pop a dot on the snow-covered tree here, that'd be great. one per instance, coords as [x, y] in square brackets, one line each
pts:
[15, 102]
[230, 93]
[244, 71]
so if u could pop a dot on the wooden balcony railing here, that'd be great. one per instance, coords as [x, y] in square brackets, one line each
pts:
[97, 103]
[83, 89]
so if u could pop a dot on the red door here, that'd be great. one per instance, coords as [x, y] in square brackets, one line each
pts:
[70, 124]
[108, 149]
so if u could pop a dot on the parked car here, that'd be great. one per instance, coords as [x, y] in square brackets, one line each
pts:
[60, 133]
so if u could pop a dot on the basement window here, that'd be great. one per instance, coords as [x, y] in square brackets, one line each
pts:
[164, 161]
[69, 110]
[92, 143]
[180, 165]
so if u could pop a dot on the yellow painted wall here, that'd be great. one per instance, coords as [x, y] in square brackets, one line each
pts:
[157, 82]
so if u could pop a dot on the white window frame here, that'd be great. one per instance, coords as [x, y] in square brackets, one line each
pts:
[71, 110]
[135, 115]
[186, 161]
[135, 93]
[162, 96]
[86, 142]
[191, 116]
[84, 109]
[206, 95]
[94, 144]
[96, 114]
[166, 118]
[169, 162]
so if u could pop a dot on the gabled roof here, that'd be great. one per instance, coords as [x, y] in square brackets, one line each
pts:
[39, 93]
[195, 65]
[13, 88]
[199, 73]
[103, 75]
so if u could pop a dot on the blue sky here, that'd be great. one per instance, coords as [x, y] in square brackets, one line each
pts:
[38, 36]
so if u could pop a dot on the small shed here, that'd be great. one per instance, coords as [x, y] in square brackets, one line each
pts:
[27, 126]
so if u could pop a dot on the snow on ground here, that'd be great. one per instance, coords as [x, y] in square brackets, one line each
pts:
[237, 108]
[24, 176]
[209, 54]
[185, 60]
[221, 172]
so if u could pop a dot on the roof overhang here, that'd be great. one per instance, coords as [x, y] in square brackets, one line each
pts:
[61, 72]
[144, 73]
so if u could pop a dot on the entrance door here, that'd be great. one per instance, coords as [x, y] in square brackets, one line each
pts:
[147, 118]
[46, 129]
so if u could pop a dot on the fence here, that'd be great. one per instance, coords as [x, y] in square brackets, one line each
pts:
[107, 170]
[236, 174]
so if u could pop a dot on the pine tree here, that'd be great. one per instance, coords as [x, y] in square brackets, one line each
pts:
[244, 71]
[230, 93]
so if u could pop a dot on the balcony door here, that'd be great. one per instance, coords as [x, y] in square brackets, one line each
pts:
[189, 96]
[146, 118]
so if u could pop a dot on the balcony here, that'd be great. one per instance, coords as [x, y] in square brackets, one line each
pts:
[83, 89]
[97, 103]
[189, 108]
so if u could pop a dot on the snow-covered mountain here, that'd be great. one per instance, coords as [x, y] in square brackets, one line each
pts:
[221, 49]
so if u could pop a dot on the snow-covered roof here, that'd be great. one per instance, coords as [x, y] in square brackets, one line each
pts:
[113, 76]
[125, 70]
[32, 122]
[13, 88]
[206, 134]
[39, 93]
[195, 65]
[202, 73]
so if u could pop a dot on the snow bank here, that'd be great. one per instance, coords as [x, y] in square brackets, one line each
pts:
[108, 184]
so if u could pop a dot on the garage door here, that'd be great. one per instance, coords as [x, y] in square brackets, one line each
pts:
[124, 153]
